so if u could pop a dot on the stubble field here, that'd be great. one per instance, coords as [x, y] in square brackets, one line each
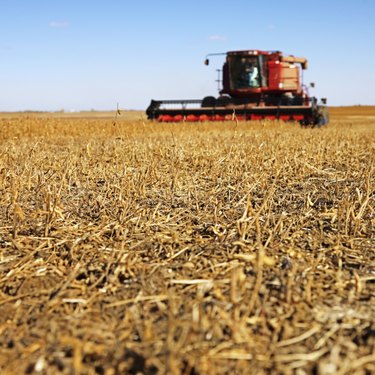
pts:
[131, 247]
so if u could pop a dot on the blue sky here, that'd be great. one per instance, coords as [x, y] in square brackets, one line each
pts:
[81, 55]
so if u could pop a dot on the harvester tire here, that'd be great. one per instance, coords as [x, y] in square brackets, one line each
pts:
[208, 101]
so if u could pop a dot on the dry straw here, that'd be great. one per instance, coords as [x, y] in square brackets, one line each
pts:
[186, 248]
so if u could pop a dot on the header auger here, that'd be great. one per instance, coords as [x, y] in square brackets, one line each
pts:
[256, 85]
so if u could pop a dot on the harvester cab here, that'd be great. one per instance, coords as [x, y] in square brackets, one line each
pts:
[255, 85]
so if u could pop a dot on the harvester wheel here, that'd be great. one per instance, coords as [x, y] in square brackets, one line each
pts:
[324, 117]
[208, 101]
[223, 101]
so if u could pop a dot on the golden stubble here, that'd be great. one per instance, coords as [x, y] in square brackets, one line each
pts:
[135, 247]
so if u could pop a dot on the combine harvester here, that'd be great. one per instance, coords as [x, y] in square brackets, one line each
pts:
[257, 85]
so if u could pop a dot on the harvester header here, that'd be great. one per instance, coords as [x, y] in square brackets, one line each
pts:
[255, 85]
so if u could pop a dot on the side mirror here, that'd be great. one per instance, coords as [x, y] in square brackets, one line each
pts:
[207, 62]
[324, 100]
[312, 84]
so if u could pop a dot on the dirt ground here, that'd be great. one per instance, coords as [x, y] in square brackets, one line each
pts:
[133, 247]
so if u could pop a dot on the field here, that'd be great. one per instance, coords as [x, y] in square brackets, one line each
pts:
[131, 247]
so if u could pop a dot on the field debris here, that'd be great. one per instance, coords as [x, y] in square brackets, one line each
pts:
[219, 248]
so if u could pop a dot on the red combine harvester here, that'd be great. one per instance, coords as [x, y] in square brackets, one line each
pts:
[256, 85]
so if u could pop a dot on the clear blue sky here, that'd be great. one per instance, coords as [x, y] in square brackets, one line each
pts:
[80, 55]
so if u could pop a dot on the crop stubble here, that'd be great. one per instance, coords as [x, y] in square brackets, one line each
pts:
[138, 247]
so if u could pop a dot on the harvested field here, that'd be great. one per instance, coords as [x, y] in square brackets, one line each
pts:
[132, 247]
